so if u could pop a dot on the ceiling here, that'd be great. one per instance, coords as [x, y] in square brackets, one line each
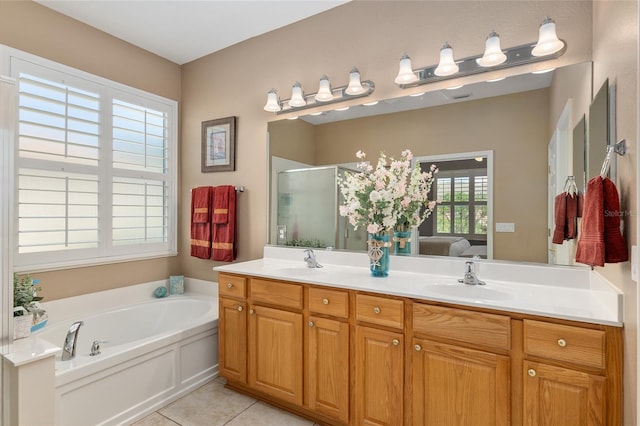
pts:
[184, 30]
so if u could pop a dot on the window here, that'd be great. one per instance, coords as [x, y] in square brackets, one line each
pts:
[95, 168]
[463, 207]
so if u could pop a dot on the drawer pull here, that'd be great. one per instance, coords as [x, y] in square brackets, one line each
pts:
[325, 301]
[418, 348]
[395, 342]
[251, 311]
[239, 308]
[310, 323]
[562, 343]
[229, 285]
[532, 372]
[376, 310]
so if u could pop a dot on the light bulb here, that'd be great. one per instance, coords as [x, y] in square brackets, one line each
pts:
[548, 42]
[447, 65]
[272, 104]
[405, 73]
[297, 100]
[355, 86]
[324, 91]
[492, 52]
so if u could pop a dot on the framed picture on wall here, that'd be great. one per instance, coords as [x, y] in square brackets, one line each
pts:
[219, 145]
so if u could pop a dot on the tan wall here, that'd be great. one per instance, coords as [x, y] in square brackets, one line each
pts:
[615, 56]
[35, 29]
[513, 126]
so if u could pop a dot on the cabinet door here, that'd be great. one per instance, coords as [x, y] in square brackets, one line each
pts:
[232, 329]
[453, 385]
[275, 353]
[379, 373]
[328, 368]
[555, 396]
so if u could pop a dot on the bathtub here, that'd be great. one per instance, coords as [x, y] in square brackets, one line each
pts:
[152, 353]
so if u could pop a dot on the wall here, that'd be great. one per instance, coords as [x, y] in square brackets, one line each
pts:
[369, 35]
[615, 56]
[27, 26]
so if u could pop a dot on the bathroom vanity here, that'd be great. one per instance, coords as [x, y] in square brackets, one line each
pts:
[340, 347]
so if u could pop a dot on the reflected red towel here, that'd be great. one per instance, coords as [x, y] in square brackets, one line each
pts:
[223, 245]
[591, 243]
[560, 217]
[200, 222]
[572, 217]
[614, 244]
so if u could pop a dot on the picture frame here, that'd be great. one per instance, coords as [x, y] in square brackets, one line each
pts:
[219, 145]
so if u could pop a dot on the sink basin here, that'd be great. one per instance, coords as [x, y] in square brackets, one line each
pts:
[300, 271]
[475, 292]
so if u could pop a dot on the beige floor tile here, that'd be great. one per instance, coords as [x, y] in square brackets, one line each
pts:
[154, 419]
[210, 405]
[265, 415]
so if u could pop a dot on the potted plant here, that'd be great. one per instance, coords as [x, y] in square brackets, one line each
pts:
[28, 315]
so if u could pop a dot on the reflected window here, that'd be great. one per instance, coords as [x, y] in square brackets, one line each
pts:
[463, 196]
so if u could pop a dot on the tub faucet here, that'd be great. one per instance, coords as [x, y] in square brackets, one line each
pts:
[470, 276]
[310, 258]
[69, 348]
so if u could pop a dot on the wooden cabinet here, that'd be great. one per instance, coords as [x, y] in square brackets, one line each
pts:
[568, 384]
[454, 385]
[327, 352]
[379, 369]
[348, 357]
[232, 327]
[453, 382]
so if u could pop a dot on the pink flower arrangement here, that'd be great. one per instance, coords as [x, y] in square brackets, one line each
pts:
[392, 196]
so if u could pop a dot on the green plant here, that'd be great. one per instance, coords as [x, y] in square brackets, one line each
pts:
[24, 293]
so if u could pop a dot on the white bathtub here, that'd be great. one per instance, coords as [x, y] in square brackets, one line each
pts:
[154, 352]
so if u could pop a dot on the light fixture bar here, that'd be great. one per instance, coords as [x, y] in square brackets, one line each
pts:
[516, 56]
[339, 95]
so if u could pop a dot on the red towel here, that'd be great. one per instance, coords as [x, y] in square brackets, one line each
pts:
[221, 204]
[615, 246]
[572, 216]
[223, 245]
[591, 243]
[200, 222]
[560, 217]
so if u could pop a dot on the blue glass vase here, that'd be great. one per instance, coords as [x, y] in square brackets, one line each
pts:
[379, 254]
[402, 243]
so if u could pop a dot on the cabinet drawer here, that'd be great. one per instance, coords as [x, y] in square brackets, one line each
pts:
[380, 310]
[275, 293]
[232, 286]
[565, 343]
[329, 302]
[476, 328]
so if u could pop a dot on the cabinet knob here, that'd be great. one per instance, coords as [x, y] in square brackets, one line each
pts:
[325, 301]
[395, 342]
[310, 323]
[251, 311]
[229, 285]
[239, 308]
[418, 348]
[376, 310]
[562, 343]
[532, 372]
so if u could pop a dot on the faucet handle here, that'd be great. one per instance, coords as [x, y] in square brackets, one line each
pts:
[468, 268]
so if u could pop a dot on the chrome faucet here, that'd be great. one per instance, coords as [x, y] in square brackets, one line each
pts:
[310, 258]
[69, 348]
[470, 276]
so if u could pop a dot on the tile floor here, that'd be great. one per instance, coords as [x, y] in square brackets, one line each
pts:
[215, 405]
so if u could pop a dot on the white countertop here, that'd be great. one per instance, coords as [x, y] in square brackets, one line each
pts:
[572, 293]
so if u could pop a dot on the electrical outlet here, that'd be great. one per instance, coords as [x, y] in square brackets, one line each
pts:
[505, 227]
[282, 234]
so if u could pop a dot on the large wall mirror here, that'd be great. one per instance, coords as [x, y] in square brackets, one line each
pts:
[513, 119]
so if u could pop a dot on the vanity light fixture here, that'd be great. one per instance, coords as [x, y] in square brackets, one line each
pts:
[494, 58]
[324, 91]
[297, 100]
[405, 73]
[447, 65]
[273, 104]
[326, 95]
[492, 52]
[355, 85]
[548, 41]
